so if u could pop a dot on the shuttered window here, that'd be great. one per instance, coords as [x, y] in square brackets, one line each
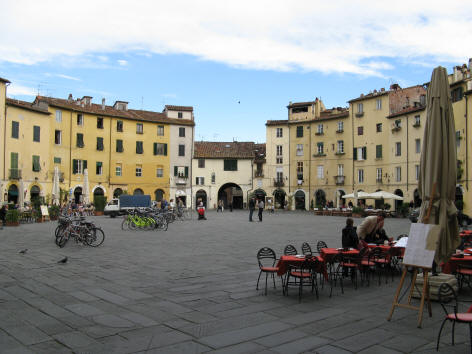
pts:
[160, 149]
[99, 144]
[139, 147]
[36, 134]
[36, 164]
[14, 160]
[119, 145]
[15, 129]
[80, 140]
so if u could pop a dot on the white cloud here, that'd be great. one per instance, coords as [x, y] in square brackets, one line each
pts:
[20, 90]
[122, 62]
[338, 36]
[67, 77]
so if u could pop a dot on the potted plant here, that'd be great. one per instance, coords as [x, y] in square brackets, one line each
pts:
[54, 212]
[357, 212]
[13, 217]
[99, 202]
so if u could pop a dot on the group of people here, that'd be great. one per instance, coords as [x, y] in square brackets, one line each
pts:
[253, 203]
[369, 231]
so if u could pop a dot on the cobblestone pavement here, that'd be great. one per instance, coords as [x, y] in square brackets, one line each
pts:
[191, 290]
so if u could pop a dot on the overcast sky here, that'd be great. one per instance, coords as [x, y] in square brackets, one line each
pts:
[237, 63]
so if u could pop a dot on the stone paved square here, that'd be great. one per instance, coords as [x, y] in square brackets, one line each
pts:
[192, 289]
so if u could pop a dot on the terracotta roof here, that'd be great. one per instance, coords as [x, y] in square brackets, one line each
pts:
[330, 115]
[301, 104]
[179, 108]
[96, 109]
[370, 95]
[4, 80]
[220, 150]
[277, 122]
[26, 105]
[259, 152]
[406, 111]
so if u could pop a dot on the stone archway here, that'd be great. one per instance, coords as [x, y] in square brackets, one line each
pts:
[35, 192]
[300, 200]
[158, 195]
[320, 198]
[78, 194]
[279, 197]
[117, 192]
[13, 194]
[231, 193]
[339, 198]
[201, 195]
[398, 203]
[98, 192]
[138, 191]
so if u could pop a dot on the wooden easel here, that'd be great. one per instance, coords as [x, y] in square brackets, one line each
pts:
[425, 291]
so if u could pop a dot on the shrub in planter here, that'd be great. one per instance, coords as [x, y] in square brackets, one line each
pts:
[99, 202]
[13, 217]
[404, 209]
[387, 206]
[358, 211]
[54, 212]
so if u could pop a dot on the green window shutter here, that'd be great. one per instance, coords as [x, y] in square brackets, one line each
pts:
[75, 166]
[186, 171]
[57, 160]
[36, 164]
[176, 172]
[15, 129]
[119, 145]
[84, 163]
[99, 143]
[378, 153]
[364, 153]
[36, 133]
[165, 149]
[14, 160]
[354, 153]
[155, 148]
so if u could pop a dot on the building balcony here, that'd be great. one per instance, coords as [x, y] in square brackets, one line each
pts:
[319, 133]
[396, 127]
[339, 180]
[339, 131]
[359, 114]
[416, 125]
[319, 155]
[15, 173]
[278, 183]
[259, 174]
[340, 153]
[180, 180]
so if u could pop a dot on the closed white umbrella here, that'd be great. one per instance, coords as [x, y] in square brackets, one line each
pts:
[85, 192]
[55, 187]
[21, 195]
[360, 195]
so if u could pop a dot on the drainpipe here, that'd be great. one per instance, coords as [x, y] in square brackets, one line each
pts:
[407, 156]
[352, 147]
[466, 148]
[309, 171]
[109, 160]
[70, 152]
[5, 136]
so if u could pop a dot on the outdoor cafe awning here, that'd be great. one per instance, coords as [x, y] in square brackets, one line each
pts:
[375, 195]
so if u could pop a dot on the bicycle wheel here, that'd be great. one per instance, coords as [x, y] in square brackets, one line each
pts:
[62, 238]
[125, 223]
[59, 228]
[133, 224]
[163, 225]
[95, 238]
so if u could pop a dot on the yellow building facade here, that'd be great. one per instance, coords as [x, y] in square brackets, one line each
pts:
[122, 150]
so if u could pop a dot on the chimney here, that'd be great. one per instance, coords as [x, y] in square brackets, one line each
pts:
[103, 104]
[121, 105]
[375, 91]
[70, 99]
[382, 89]
[86, 101]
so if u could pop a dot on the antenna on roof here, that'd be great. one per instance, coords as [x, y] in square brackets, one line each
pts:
[142, 103]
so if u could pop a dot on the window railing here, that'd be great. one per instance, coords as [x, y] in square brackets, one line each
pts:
[339, 180]
[359, 114]
[259, 174]
[15, 173]
[278, 183]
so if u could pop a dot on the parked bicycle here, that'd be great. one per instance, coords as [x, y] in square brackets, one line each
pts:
[147, 219]
[81, 230]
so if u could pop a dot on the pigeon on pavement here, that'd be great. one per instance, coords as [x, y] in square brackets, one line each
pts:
[23, 251]
[63, 260]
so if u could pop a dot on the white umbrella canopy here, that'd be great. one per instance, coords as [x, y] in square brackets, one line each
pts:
[21, 195]
[385, 195]
[438, 167]
[85, 192]
[55, 187]
[360, 195]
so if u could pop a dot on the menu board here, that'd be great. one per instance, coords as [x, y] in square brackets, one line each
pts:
[422, 243]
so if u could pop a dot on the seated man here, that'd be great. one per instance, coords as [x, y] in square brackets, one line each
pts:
[371, 229]
[349, 235]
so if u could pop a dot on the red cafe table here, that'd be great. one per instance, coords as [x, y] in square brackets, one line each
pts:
[450, 266]
[286, 261]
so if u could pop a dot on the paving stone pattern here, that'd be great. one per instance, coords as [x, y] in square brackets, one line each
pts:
[192, 290]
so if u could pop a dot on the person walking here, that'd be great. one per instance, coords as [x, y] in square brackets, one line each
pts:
[261, 209]
[3, 214]
[252, 207]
